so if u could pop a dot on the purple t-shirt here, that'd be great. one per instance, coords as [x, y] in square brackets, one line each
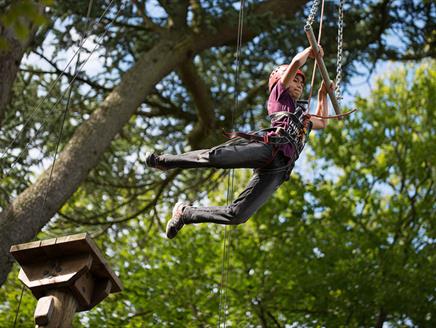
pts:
[281, 101]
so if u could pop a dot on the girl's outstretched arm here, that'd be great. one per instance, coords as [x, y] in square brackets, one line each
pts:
[298, 61]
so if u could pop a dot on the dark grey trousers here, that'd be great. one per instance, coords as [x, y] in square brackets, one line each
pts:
[272, 168]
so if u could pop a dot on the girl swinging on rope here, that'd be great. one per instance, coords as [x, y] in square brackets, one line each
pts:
[271, 153]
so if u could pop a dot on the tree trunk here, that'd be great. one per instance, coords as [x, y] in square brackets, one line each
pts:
[10, 60]
[381, 318]
[26, 215]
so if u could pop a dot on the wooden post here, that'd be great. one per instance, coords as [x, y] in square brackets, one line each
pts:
[55, 310]
[322, 68]
[66, 275]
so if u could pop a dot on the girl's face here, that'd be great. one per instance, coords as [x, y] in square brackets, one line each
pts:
[296, 86]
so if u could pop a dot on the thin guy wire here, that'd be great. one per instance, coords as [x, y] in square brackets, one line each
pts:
[230, 179]
[222, 275]
[66, 110]
[18, 307]
[230, 184]
[52, 85]
[236, 107]
[62, 96]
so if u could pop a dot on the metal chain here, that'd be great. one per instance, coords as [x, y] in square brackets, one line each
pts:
[339, 56]
[313, 12]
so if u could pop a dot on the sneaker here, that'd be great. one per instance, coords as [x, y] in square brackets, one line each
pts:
[176, 223]
[151, 161]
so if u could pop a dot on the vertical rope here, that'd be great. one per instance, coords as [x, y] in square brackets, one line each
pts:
[230, 182]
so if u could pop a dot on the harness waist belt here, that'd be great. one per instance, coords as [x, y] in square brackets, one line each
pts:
[272, 140]
[276, 140]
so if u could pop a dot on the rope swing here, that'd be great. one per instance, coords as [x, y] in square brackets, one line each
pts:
[335, 96]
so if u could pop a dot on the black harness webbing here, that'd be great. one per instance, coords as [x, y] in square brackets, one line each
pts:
[260, 135]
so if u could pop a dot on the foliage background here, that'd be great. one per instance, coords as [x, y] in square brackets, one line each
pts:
[349, 241]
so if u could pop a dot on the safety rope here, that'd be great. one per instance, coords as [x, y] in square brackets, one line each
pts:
[223, 311]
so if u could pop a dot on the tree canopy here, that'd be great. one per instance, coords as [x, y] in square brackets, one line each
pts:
[351, 244]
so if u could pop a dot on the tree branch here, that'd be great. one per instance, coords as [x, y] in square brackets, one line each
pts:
[88, 220]
[155, 200]
[147, 207]
[243, 104]
[223, 30]
[118, 185]
[276, 322]
[177, 11]
[381, 318]
[198, 14]
[147, 20]
[10, 59]
[92, 84]
[162, 106]
[204, 105]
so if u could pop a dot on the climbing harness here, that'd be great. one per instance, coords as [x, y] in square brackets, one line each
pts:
[288, 128]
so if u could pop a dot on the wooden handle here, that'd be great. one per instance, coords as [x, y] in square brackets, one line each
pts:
[322, 68]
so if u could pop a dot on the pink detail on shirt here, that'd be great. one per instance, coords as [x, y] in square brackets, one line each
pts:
[281, 101]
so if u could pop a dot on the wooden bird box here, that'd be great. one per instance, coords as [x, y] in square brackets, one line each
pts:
[71, 265]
